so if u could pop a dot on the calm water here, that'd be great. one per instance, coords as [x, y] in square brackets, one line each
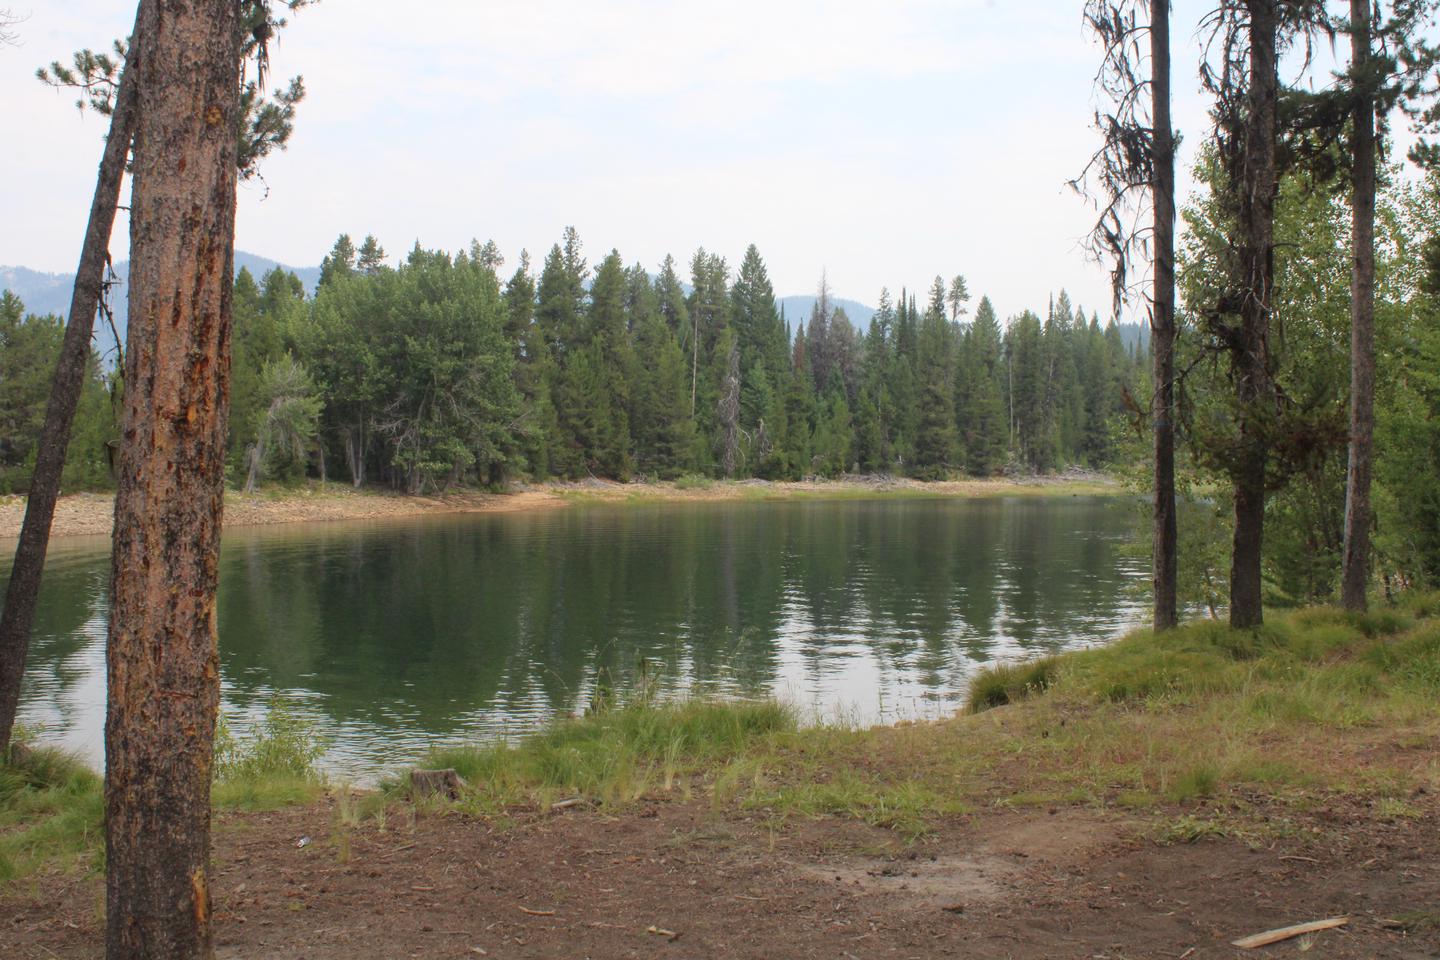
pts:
[395, 635]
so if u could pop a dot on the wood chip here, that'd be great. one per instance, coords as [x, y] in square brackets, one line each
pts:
[537, 913]
[662, 932]
[567, 804]
[1285, 933]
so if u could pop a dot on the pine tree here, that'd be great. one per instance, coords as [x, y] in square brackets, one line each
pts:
[935, 434]
[164, 685]
[1025, 355]
[982, 422]
[609, 328]
[371, 256]
[339, 262]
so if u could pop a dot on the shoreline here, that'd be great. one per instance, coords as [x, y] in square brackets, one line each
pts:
[90, 514]
[1078, 799]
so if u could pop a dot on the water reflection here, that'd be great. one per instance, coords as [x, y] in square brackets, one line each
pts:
[400, 633]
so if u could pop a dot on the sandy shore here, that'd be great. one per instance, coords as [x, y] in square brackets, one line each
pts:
[89, 514]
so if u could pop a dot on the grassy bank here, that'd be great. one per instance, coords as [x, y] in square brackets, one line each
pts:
[1201, 731]
[52, 804]
[1196, 727]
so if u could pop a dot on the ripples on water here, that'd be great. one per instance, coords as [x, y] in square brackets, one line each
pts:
[395, 635]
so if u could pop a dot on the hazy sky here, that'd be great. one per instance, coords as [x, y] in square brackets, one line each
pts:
[883, 142]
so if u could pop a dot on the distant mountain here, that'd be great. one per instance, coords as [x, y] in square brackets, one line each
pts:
[798, 308]
[49, 293]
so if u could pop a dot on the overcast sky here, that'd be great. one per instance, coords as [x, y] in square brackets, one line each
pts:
[884, 142]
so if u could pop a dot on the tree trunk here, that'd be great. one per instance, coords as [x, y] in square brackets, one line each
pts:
[1254, 388]
[162, 661]
[18, 615]
[1165, 550]
[1355, 576]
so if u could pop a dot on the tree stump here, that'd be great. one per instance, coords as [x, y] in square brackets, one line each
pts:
[428, 783]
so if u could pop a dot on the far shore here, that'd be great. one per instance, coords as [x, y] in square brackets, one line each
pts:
[90, 514]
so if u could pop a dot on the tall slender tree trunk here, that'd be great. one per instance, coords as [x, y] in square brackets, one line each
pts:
[162, 660]
[694, 362]
[1165, 549]
[18, 616]
[1355, 575]
[1256, 185]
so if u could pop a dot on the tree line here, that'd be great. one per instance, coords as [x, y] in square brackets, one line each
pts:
[449, 369]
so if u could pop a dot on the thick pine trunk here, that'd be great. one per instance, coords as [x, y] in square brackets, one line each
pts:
[1355, 575]
[1254, 389]
[18, 616]
[162, 660]
[1165, 550]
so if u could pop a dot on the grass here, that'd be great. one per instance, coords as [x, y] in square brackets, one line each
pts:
[1318, 704]
[1319, 701]
[617, 753]
[52, 804]
[50, 812]
[1203, 730]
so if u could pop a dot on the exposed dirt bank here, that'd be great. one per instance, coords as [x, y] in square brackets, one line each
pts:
[89, 514]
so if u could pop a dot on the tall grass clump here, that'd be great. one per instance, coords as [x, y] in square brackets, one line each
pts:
[272, 766]
[51, 811]
[617, 752]
[1003, 683]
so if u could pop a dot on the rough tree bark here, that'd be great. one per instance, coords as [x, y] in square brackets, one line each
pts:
[18, 616]
[1355, 575]
[161, 657]
[1255, 187]
[1165, 548]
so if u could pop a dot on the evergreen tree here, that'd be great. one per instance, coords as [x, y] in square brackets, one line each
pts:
[1027, 386]
[339, 262]
[371, 257]
[935, 432]
[982, 419]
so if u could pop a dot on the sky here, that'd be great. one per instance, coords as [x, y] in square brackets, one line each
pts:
[882, 143]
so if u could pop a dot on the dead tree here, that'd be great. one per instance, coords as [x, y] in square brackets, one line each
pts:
[1135, 165]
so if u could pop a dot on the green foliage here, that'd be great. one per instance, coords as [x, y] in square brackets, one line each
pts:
[29, 351]
[615, 752]
[289, 421]
[283, 745]
[612, 373]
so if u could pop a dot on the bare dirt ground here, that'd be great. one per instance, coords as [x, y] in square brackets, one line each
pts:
[684, 880]
[90, 514]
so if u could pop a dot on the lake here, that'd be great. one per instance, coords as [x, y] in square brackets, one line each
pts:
[394, 635]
